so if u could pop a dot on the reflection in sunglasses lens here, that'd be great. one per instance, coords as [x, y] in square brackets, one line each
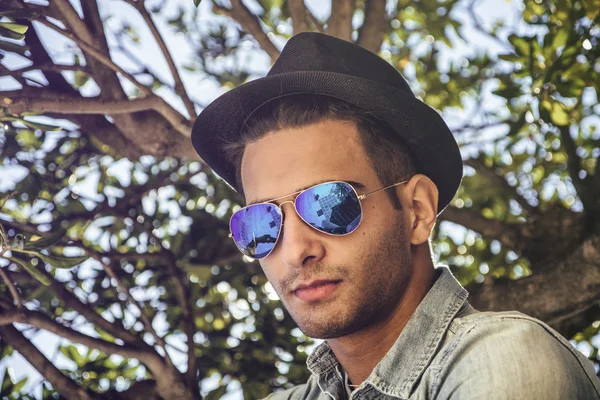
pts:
[255, 229]
[331, 207]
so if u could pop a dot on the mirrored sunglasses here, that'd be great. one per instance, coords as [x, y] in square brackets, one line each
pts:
[333, 208]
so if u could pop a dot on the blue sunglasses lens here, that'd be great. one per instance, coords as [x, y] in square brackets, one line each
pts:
[332, 208]
[255, 229]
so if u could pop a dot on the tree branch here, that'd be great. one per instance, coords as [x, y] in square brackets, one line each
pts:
[478, 128]
[170, 383]
[146, 132]
[573, 160]
[143, 317]
[72, 20]
[507, 234]
[559, 294]
[59, 381]
[96, 126]
[479, 26]
[574, 166]
[339, 23]
[168, 378]
[576, 321]
[298, 12]
[372, 31]
[91, 30]
[95, 25]
[251, 24]
[502, 184]
[76, 105]
[98, 55]
[7, 304]
[73, 302]
[189, 324]
[62, 104]
[597, 174]
[11, 287]
[179, 88]
[46, 67]
[6, 72]
[318, 26]
[42, 321]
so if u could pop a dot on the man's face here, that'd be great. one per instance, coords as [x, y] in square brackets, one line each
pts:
[367, 270]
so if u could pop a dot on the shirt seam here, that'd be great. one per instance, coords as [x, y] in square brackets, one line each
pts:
[565, 345]
[476, 322]
[453, 345]
[435, 341]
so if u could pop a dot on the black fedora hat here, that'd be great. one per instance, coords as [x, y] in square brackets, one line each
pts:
[320, 64]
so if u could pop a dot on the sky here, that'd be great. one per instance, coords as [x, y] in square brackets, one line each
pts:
[205, 90]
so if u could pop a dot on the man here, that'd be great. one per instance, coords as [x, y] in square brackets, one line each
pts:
[344, 173]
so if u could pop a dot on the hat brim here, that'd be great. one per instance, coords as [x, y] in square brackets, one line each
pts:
[420, 126]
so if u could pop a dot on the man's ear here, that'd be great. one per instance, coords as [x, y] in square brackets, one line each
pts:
[420, 197]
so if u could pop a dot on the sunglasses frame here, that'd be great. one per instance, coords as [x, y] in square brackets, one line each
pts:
[360, 198]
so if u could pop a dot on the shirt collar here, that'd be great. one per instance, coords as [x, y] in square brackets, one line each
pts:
[402, 366]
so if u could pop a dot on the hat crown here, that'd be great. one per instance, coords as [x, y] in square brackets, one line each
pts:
[310, 51]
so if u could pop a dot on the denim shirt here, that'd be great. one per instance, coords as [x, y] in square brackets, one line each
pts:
[448, 350]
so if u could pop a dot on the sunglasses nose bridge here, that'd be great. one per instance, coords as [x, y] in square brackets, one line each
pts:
[288, 201]
[280, 206]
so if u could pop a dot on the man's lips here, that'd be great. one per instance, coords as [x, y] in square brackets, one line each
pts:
[315, 290]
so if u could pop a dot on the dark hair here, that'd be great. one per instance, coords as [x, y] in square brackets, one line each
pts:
[391, 159]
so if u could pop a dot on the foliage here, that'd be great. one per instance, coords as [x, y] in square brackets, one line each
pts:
[102, 224]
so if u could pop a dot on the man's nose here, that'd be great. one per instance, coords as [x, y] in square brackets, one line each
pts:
[299, 245]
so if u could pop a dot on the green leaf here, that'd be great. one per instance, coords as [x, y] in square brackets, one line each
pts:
[62, 262]
[19, 385]
[520, 44]
[559, 115]
[7, 382]
[27, 13]
[201, 271]
[216, 394]
[104, 335]
[509, 92]
[190, 67]
[16, 28]
[511, 57]
[37, 125]
[538, 174]
[6, 350]
[72, 353]
[15, 48]
[197, 2]
[571, 88]
[7, 33]
[592, 9]
[578, 70]
[560, 39]
[46, 241]
[33, 271]
[81, 78]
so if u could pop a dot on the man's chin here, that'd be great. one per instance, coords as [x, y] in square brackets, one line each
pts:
[327, 327]
[323, 334]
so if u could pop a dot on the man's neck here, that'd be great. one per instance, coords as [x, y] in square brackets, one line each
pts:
[361, 351]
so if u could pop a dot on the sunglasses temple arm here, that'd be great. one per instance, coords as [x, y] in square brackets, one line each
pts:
[364, 196]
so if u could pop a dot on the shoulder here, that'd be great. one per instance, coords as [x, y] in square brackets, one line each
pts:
[295, 393]
[307, 391]
[511, 355]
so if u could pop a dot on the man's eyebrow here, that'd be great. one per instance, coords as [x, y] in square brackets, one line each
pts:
[356, 185]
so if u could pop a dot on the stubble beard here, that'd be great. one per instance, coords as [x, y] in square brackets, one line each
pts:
[371, 295]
